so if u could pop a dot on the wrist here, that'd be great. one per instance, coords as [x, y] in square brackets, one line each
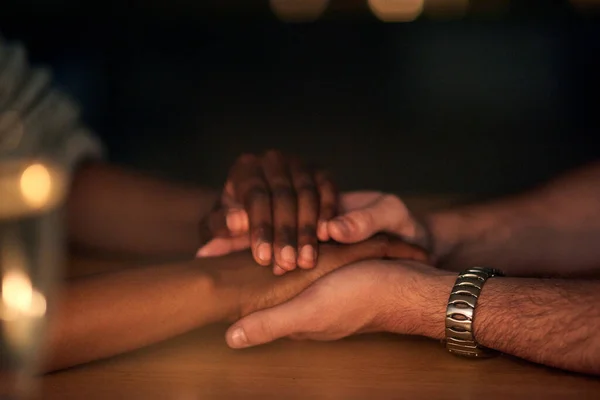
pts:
[219, 298]
[431, 309]
[417, 305]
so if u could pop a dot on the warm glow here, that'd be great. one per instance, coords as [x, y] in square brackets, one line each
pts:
[298, 10]
[16, 290]
[19, 297]
[36, 185]
[396, 10]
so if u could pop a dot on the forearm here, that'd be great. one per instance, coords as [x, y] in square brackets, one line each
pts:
[554, 322]
[552, 230]
[551, 322]
[114, 210]
[104, 315]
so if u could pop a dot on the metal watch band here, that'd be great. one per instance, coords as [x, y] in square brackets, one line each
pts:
[461, 310]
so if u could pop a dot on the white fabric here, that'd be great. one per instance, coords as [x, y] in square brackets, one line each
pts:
[37, 120]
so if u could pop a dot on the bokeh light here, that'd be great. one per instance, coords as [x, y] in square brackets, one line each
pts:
[36, 185]
[299, 10]
[396, 10]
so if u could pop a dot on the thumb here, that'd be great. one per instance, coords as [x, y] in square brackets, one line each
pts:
[381, 216]
[270, 324]
[221, 246]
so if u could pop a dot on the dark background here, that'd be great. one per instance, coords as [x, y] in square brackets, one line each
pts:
[485, 104]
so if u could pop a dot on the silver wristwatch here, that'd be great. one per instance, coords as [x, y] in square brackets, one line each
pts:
[461, 311]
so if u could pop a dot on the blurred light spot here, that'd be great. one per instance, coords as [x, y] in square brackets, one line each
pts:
[36, 185]
[19, 298]
[299, 10]
[396, 10]
[446, 8]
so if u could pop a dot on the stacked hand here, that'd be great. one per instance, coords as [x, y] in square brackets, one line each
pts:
[364, 296]
[398, 296]
[274, 205]
[280, 209]
[247, 288]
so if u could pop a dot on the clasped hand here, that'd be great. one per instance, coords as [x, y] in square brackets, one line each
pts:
[279, 208]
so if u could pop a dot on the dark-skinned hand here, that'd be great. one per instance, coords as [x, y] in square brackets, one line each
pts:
[275, 205]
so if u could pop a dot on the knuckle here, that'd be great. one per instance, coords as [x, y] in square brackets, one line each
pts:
[393, 201]
[286, 235]
[306, 188]
[257, 192]
[362, 221]
[308, 230]
[283, 192]
[263, 231]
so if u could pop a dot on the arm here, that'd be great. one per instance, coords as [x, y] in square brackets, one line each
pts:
[552, 230]
[554, 322]
[108, 314]
[116, 210]
[103, 315]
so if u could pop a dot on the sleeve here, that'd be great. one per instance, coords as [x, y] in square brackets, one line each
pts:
[36, 119]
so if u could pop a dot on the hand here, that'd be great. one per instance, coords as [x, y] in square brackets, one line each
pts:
[274, 205]
[404, 297]
[243, 288]
[365, 213]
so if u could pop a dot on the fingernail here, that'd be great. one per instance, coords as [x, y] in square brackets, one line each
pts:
[288, 254]
[341, 224]
[263, 251]
[322, 227]
[202, 252]
[234, 221]
[238, 338]
[308, 253]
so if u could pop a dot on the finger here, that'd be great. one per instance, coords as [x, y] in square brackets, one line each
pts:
[333, 257]
[237, 221]
[213, 225]
[236, 216]
[277, 270]
[383, 215]
[268, 325]
[285, 209]
[222, 246]
[308, 214]
[251, 190]
[328, 203]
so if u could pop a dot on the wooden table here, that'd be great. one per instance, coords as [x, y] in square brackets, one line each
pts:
[199, 365]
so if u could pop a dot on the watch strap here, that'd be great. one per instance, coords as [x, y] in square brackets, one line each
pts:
[460, 312]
